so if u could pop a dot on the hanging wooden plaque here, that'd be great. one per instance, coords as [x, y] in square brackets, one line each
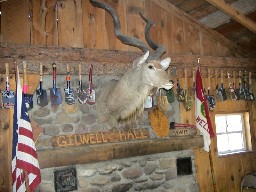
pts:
[159, 123]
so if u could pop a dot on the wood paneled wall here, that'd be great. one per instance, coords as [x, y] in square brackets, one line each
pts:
[226, 172]
[77, 23]
[223, 174]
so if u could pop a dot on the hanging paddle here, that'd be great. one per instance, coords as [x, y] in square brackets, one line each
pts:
[159, 122]
[27, 97]
[69, 93]
[194, 85]
[180, 92]
[90, 92]
[240, 90]
[8, 98]
[41, 93]
[81, 93]
[246, 87]
[188, 98]
[210, 98]
[217, 90]
[55, 92]
[251, 95]
[222, 89]
[232, 94]
[170, 93]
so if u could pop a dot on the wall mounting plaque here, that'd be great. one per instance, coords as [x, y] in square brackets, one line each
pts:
[65, 180]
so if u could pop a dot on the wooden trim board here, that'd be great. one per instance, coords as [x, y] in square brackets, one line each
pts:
[93, 153]
[105, 62]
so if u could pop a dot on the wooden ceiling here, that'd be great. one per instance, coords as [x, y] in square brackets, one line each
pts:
[219, 19]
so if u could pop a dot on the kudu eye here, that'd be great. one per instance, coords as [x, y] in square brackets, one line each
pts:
[150, 67]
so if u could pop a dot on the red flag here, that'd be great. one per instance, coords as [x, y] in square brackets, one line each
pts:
[203, 121]
[24, 156]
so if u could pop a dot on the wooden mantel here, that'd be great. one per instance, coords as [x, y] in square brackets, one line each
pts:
[101, 152]
[105, 62]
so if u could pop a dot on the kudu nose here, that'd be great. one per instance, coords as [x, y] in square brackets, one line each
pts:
[169, 85]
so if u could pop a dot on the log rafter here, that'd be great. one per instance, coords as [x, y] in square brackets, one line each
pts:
[234, 13]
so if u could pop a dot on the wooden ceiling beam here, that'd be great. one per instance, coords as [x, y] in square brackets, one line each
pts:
[234, 13]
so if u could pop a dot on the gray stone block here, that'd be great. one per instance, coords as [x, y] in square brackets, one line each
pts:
[170, 174]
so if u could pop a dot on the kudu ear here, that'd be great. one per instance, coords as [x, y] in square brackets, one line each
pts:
[140, 60]
[165, 63]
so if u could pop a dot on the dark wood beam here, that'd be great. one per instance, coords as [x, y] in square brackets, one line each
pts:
[102, 152]
[106, 62]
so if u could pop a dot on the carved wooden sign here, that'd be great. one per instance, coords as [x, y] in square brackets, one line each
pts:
[182, 132]
[99, 137]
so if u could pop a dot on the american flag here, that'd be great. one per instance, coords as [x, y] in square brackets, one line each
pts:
[24, 156]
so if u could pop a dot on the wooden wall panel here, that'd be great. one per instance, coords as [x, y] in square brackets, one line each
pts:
[44, 23]
[15, 21]
[5, 150]
[39, 11]
[178, 35]
[113, 41]
[6, 121]
[94, 26]
[192, 40]
[83, 25]
[51, 27]
[223, 51]
[156, 14]
[70, 24]
[227, 170]
[135, 24]
[209, 46]
[169, 33]
[203, 170]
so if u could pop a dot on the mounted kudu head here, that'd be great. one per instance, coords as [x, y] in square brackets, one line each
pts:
[123, 101]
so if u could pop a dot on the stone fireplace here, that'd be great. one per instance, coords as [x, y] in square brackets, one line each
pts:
[155, 171]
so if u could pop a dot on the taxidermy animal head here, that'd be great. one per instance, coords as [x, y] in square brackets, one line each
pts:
[122, 101]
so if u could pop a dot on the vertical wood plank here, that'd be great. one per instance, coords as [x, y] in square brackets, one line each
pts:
[192, 40]
[15, 21]
[94, 26]
[209, 46]
[114, 42]
[39, 12]
[51, 27]
[169, 32]
[44, 22]
[223, 50]
[4, 150]
[9, 144]
[6, 122]
[135, 24]
[203, 171]
[178, 36]
[156, 14]
[70, 22]
[252, 121]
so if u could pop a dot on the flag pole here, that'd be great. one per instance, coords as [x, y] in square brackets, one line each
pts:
[26, 181]
[212, 170]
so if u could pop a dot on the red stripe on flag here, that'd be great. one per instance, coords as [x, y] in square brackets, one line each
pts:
[20, 180]
[14, 175]
[27, 149]
[28, 167]
[31, 169]
[25, 132]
